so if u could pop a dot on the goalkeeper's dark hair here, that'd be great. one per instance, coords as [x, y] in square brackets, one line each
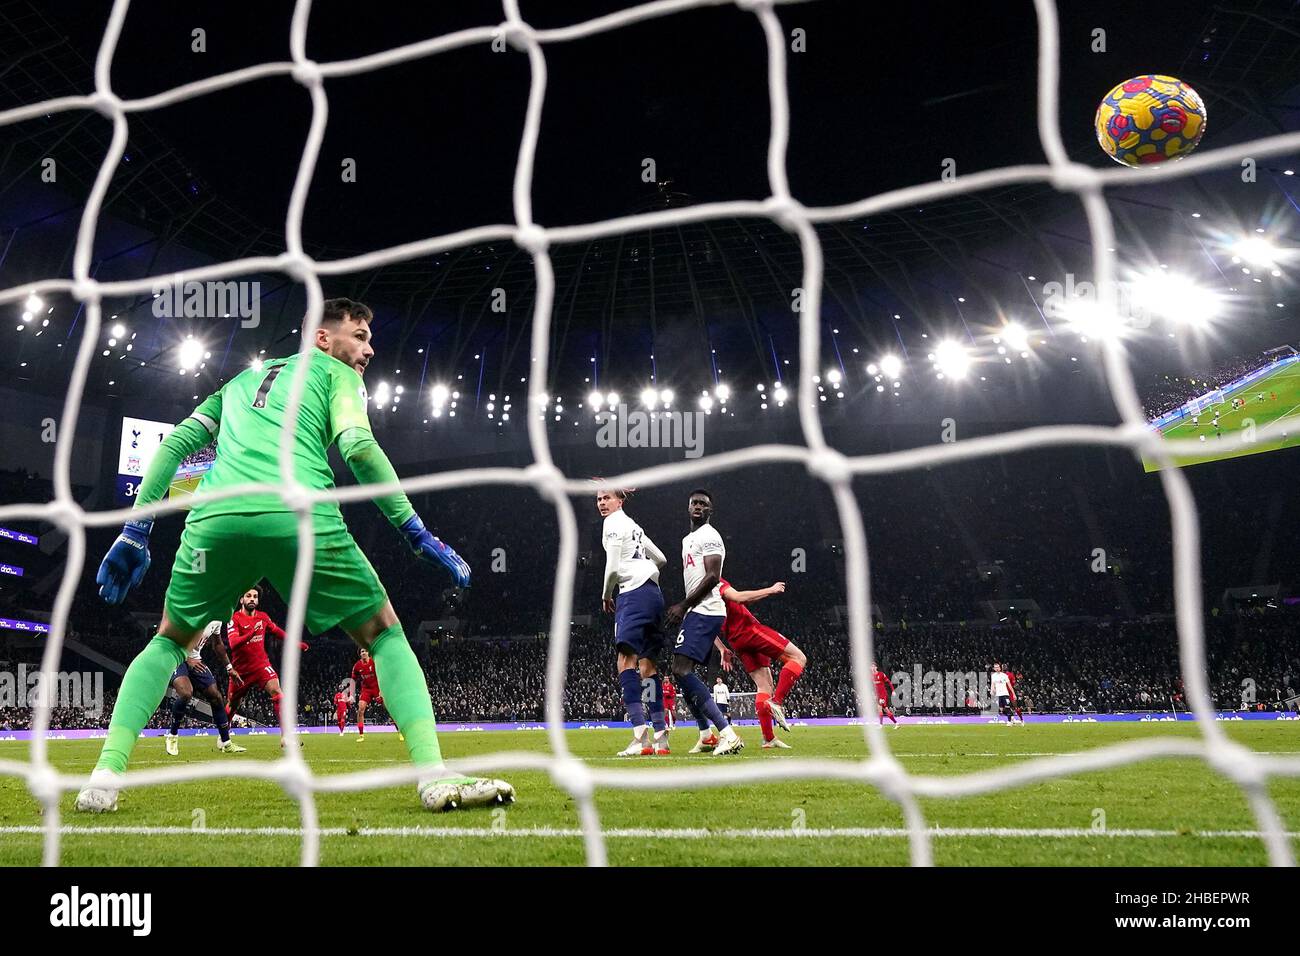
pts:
[334, 311]
[701, 491]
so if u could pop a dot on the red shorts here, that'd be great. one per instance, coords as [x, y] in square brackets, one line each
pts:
[257, 678]
[882, 703]
[371, 693]
[757, 647]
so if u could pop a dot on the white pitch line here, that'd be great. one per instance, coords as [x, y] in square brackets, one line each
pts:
[648, 833]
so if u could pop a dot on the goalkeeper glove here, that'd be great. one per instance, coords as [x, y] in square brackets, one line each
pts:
[431, 549]
[126, 562]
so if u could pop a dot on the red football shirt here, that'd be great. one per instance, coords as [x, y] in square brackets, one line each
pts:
[248, 640]
[739, 623]
[363, 672]
[884, 686]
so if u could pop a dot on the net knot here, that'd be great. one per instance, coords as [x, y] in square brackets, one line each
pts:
[516, 34]
[43, 782]
[547, 479]
[106, 103]
[1237, 763]
[295, 496]
[573, 777]
[830, 466]
[86, 290]
[887, 774]
[786, 213]
[307, 73]
[296, 267]
[295, 778]
[532, 239]
[1075, 177]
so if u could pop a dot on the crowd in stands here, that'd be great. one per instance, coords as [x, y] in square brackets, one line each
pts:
[1166, 391]
[1084, 533]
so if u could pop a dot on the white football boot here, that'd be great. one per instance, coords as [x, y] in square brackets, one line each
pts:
[173, 743]
[707, 742]
[776, 743]
[778, 715]
[458, 792]
[100, 796]
[639, 747]
[729, 742]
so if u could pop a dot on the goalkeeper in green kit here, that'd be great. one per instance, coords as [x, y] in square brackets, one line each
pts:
[227, 546]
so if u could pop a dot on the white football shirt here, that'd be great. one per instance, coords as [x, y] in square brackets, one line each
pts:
[999, 684]
[634, 567]
[721, 694]
[703, 541]
[195, 653]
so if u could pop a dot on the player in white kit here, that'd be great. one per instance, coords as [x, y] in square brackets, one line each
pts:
[1000, 686]
[631, 593]
[192, 673]
[701, 615]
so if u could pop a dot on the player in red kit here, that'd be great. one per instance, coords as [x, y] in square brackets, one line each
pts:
[757, 646]
[363, 675]
[884, 690]
[248, 629]
[341, 702]
[670, 703]
[1015, 700]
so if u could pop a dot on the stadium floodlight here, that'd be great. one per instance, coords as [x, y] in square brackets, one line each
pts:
[951, 359]
[595, 399]
[27, 317]
[33, 303]
[723, 393]
[1016, 336]
[892, 366]
[1255, 250]
[780, 394]
[118, 330]
[189, 354]
[872, 368]
[706, 402]
[649, 397]
[439, 395]
[666, 396]
[1175, 297]
[1088, 318]
[612, 399]
[255, 364]
[833, 376]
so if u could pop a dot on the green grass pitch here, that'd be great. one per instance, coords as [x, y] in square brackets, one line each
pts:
[1284, 383]
[1170, 811]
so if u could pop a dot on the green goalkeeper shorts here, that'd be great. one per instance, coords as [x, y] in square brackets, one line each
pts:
[222, 556]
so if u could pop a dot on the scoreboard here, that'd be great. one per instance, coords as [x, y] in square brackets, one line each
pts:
[140, 440]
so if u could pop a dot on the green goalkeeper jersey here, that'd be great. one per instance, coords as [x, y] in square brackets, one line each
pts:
[247, 417]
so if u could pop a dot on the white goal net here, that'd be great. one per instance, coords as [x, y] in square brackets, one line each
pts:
[878, 767]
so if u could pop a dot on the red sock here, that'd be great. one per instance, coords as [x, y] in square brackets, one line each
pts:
[361, 726]
[764, 711]
[275, 702]
[789, 674]
[343, 724]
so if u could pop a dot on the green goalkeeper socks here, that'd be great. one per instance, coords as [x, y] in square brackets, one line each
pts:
[143, 687]
[406, 695]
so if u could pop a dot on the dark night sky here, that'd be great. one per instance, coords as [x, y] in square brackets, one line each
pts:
[877, 102]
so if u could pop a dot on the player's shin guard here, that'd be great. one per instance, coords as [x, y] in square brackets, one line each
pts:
[702, 705]
[790, 672]
[179, 706]
[764, 711]
[143, 686]
[630, 682]
[406, 695]
[657, 703]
